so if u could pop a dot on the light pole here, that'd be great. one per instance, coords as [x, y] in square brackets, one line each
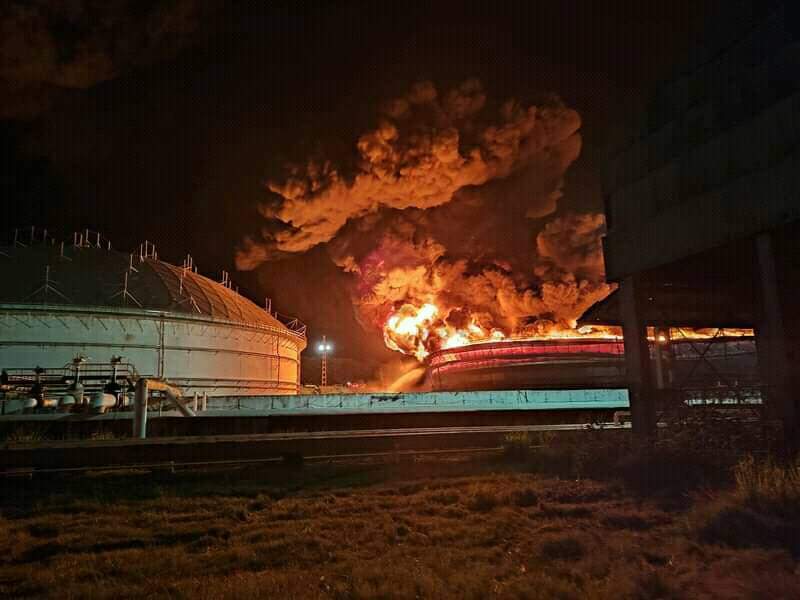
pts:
[323, 348]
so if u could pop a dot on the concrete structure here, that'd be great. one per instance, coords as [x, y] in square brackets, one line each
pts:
[83, 298]
[365, 404]
[703, 204]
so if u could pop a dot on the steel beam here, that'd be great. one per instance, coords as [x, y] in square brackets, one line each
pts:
[771, 340]
[637, 358]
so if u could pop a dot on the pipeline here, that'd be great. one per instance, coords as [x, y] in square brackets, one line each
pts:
[141, 399]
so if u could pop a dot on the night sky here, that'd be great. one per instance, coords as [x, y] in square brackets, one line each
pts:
[163, 120]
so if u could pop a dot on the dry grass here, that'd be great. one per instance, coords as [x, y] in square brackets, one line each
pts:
[769, 486]
[517, 446]
[436, 529]
[763, 510]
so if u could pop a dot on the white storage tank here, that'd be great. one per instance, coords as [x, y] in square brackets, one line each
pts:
[83, 298]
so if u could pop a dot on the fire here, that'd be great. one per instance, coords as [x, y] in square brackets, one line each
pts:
[408, 329]
[418, 331]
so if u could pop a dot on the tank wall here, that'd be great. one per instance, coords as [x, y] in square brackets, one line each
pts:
[289, 364]
[229, 360]
[53, 339]
[696, 363]
[201, 356]
[606, 374]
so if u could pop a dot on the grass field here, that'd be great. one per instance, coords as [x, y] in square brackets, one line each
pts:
[457, 528]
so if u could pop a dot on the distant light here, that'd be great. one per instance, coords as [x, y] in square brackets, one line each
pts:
[327, 347]
[321, 348]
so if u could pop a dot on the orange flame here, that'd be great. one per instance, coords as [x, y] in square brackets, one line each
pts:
[418, 331]
[408, 329]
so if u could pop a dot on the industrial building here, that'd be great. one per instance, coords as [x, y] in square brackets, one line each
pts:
[81, 304]
[703, 202]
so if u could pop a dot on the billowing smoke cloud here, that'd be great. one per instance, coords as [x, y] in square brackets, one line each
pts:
[570, 247]
[50, 47]
[438, 221]
[425, 148]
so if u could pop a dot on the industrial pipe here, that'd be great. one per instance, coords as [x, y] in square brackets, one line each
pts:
[143, 387]
[173, 393]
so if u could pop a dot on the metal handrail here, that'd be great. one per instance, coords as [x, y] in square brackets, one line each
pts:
[293, 323]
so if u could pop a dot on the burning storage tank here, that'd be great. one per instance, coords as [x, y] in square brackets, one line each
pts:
[529, 364]
[690, 359]
[61, 300]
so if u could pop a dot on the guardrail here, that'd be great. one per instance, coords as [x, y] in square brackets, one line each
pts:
[293, 323]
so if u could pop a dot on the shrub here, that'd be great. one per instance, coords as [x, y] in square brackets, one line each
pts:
[768, 486]
[517, 446]
[482, 502]
[585, 454]
[762, 511]
[670, 469]
[551, 461]
[741, 527]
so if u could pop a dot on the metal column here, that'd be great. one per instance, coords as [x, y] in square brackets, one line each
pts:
[637, 358]
[140, 410]
[658, 350]
[771, 340]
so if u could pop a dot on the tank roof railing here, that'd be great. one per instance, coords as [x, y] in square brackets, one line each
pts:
[293, 323]
[21, 233]
[147, 249]
[22, 237]
[89, 239]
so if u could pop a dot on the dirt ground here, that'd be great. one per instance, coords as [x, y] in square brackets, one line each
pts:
[435, 529]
